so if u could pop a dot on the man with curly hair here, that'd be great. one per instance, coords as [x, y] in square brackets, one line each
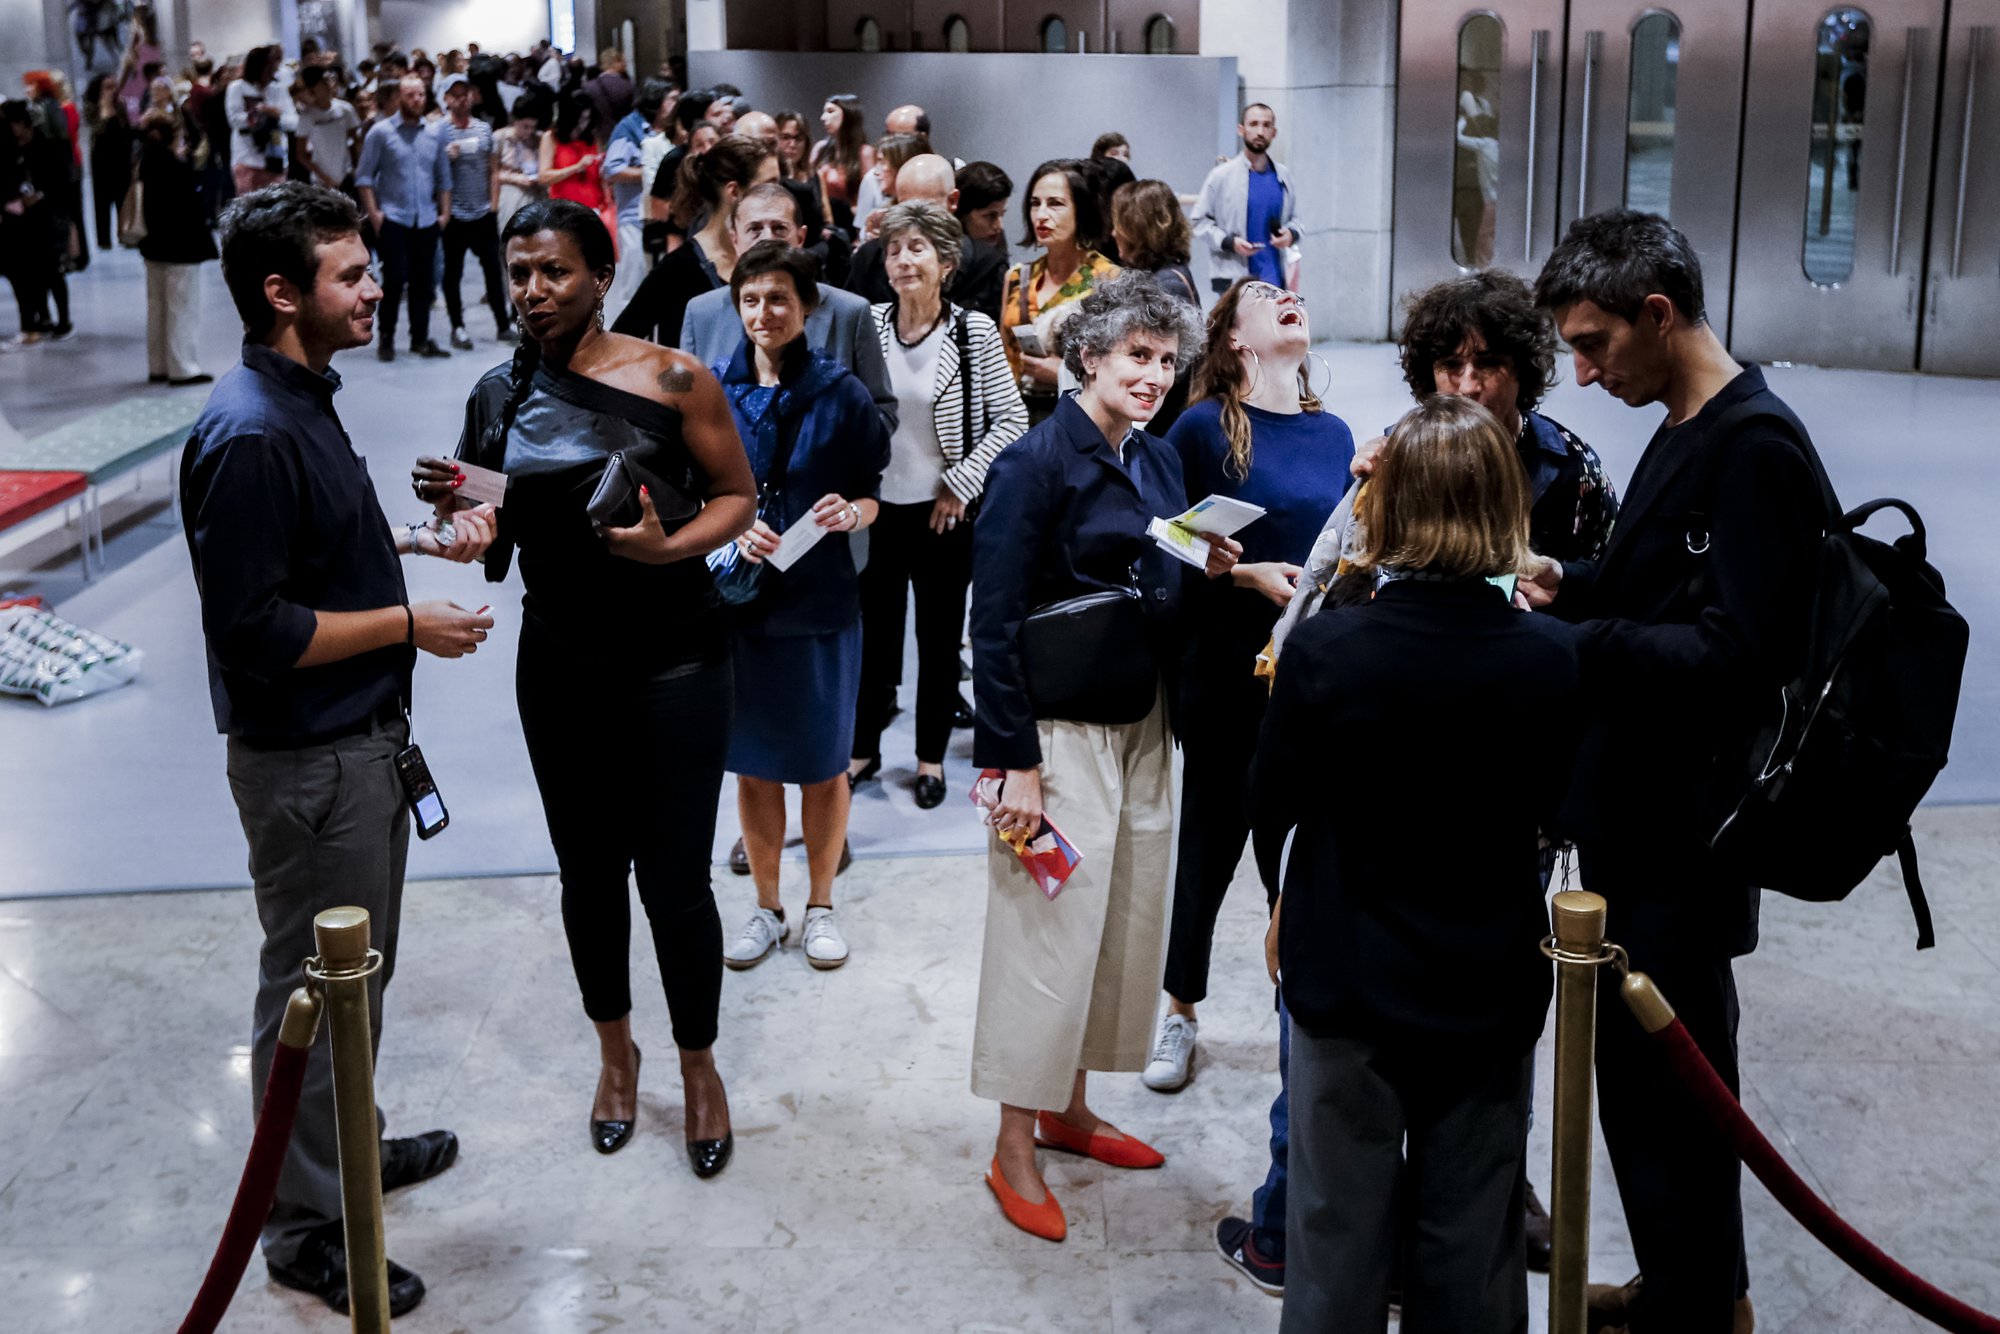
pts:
[1482, 337]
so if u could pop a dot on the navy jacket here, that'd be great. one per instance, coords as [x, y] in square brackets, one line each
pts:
[1062, 516]
[841, 447]
[1395, 744]
[1692, 622]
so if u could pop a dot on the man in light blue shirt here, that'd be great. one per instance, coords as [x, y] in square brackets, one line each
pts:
[473, 224]
[625, 176]
[405, 185]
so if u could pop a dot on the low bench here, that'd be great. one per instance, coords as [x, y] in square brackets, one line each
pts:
[95, 449]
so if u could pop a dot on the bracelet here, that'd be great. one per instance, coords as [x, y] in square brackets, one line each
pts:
[410, 620]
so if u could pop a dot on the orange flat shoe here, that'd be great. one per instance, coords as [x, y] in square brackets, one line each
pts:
[1051, 1133]
[1044, 1220]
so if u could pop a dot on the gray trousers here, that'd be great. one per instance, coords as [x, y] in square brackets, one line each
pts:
[1353, 1199]
[327, 827]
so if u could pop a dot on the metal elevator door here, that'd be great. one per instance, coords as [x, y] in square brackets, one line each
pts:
[1478, 139]
[1652, 110]
[1836, 179]
[1961, 333]
[1515, 119]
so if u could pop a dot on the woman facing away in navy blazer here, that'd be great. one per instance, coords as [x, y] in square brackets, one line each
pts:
[1412, 912]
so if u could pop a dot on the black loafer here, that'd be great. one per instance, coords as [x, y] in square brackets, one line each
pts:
[610, 1136]
[961, 715]
[405, 1162]
[321, 1269]
[739, 859]
[864, 773]
[429, 348]
[709, 1156]
[385, 350]
[930, 792]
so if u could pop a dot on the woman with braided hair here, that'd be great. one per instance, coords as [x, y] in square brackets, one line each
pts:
[624, 649]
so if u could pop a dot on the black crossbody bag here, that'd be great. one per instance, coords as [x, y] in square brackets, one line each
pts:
[1089, 659]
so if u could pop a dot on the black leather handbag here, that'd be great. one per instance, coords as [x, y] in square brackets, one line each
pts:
[615, 502]
[1089, 659]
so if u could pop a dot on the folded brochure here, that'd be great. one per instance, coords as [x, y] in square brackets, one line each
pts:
[1186, 535]
[1049, 856]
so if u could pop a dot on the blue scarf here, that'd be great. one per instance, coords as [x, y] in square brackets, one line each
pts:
[804, 375]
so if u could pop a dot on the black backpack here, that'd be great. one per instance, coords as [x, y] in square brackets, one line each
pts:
[1829, 784]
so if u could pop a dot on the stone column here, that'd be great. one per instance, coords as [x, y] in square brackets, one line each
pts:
[1328, 69]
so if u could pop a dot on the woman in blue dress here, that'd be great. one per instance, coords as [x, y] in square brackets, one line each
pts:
[818, 448]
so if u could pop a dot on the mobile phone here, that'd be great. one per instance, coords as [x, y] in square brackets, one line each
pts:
[1029, 339]
[420, 790]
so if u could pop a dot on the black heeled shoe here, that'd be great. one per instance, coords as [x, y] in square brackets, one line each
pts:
[710, 1156]
[864, 773]
[611, 1136]
[930, 792]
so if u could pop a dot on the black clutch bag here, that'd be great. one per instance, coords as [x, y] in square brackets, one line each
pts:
[1089, 659]
[615, 502]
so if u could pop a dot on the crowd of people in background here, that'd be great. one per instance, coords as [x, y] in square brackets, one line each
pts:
[780, 321]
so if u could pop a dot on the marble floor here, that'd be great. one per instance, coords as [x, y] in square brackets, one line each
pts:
[854, 1201]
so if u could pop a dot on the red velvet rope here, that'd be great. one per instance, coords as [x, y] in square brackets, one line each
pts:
[253, 1194]
[1814, 1214]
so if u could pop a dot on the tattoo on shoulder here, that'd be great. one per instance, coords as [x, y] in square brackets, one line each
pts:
[676, 379]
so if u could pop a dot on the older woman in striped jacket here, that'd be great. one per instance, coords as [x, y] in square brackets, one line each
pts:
[959, 406]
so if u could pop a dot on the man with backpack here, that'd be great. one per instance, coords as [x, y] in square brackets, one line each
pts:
[1694, 619]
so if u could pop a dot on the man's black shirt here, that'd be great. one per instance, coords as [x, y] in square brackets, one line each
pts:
[282, 522]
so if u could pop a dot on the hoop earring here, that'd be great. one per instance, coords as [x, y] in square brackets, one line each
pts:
[1320, 394]
[1251, 392]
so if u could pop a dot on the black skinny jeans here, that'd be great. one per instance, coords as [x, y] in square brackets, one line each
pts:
[409, 259]
[1221, 715]
[110, 178]
[35, 268]
[482, 237]
[630, 769]
[904, 552]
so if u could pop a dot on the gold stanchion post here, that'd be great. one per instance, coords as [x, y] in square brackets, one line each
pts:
[344, 965]
[1579, 941]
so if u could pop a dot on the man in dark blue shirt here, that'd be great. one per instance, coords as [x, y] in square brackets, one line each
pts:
[311, 639]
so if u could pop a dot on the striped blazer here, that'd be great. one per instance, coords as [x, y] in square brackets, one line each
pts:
[999, 417]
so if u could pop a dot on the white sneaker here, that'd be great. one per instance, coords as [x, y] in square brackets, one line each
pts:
[460, 339]
[764, 932]
[1173, 1056]
[825, 946]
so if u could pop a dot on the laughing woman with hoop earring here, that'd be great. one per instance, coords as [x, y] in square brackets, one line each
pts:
[1256, 431]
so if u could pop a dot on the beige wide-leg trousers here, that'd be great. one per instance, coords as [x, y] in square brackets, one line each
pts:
[1073, 983]
[173, 319]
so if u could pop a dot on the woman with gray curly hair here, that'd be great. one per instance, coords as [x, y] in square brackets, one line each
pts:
[959, 407]
[1075, 644]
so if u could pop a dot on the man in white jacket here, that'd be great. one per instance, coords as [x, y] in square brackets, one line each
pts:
[1244, 212]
